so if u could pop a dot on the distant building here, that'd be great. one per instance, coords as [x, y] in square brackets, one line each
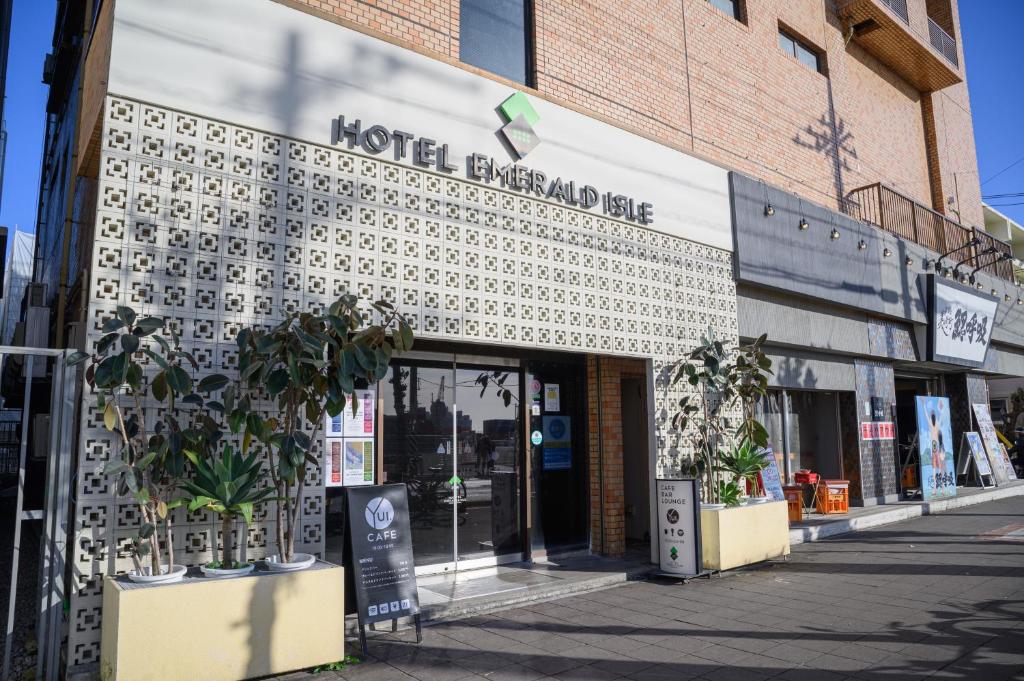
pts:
[1009, 230]
[17, 276]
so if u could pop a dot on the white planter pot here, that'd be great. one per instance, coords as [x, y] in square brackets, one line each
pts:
[759, 500]
[300, 561]
[220, 573]
[168, 575]
[711, 507]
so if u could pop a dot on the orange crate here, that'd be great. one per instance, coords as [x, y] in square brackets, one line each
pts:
[796, 510]
[794, 502]
[833, 496]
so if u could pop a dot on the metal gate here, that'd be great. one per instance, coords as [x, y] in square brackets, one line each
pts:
[48, 425]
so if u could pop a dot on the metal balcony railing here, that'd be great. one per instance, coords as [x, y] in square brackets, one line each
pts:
[899, 7]
[943, 42]
[881, 205]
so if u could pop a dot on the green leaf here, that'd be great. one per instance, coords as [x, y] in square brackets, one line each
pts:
[110, 416]
[246, 510]
[129, 342]
[125, 314]
[213, 382]
[178, 380]
[277, 381]
[159, 386]
[148, 325]
[76, 358]
[405, 331]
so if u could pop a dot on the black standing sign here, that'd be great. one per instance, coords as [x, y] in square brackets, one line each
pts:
[382, 561]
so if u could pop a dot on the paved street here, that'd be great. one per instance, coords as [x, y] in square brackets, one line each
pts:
[936, 597]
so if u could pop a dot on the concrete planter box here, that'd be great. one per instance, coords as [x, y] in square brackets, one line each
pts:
[204, 628]
[733, 537]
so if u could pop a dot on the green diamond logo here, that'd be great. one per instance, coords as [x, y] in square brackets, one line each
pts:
[520, 116]
[673, 553]
[519, 105]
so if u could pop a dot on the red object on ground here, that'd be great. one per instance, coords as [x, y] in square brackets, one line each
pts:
[805, 476]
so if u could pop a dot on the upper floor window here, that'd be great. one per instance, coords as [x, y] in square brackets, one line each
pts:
[494, 35]
[803, 52]
[733, 8]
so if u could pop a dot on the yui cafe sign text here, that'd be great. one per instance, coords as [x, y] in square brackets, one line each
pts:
[428, 153]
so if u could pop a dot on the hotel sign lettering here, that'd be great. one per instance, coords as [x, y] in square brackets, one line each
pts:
[429, 153]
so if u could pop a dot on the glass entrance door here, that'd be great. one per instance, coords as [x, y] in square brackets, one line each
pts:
[452, 434]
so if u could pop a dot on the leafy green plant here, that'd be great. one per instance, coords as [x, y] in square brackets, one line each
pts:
[228, 486]
[150, 466]
[729, 493]
[723, 379]
[744, 461]
[308, 365]
[338, 666]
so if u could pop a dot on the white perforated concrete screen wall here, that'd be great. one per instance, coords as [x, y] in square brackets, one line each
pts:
[217, 218]
[262, 64]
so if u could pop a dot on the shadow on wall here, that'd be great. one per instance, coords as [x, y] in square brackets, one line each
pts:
[794, 373]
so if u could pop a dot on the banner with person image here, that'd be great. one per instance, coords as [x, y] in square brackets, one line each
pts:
[935, 446]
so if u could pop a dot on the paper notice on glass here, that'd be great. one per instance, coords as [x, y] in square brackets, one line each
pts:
[333, 473]
[358, 462]
[358, 424]
[552, 397]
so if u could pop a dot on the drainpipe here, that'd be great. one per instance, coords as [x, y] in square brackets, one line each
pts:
[600, 451]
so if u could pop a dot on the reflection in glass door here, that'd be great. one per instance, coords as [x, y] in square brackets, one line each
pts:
[452, 437]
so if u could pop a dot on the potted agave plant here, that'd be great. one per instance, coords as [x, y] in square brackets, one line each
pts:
[308, 365]
[744, 461]
[230, 487]
[149, 466]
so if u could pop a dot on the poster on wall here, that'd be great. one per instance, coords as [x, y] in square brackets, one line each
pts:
[358, 424]
[1002, 467]
[333, 466]
[358, 462]
[557, 440]
[935, 448]
[679, 527]
[961, 323]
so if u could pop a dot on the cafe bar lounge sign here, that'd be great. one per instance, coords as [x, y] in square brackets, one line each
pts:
[960, 323]
[428, 153]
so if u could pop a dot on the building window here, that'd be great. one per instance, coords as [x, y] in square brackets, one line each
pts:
[494, 35]
[733, 8]
[804, 53]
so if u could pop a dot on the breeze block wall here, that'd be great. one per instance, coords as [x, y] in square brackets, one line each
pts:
[215, 227]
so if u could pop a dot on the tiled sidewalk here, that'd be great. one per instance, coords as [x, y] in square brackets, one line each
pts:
[931, 597]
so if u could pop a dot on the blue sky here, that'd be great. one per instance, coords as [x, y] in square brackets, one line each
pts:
[989, 29]
[995, 75]
[25, 110]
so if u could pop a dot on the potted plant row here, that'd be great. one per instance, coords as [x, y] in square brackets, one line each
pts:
[717, 420]
[201, 443]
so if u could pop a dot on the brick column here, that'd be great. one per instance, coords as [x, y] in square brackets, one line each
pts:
[606, 451]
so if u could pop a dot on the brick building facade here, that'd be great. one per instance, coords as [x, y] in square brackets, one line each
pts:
[227, 171]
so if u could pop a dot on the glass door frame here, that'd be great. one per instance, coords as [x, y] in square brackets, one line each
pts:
[465, 360]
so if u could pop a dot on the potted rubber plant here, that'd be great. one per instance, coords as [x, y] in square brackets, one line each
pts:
[149, 464]
[308, 365]
[230, 486]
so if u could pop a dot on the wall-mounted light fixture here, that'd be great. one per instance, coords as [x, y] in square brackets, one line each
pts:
[861, 245]
[909, 262]
[834, 235]
[1006, 297]
[1001, 257]
[804, 225]
[1019, 302]
[886, 252]
[937, 263]
[769, 209]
